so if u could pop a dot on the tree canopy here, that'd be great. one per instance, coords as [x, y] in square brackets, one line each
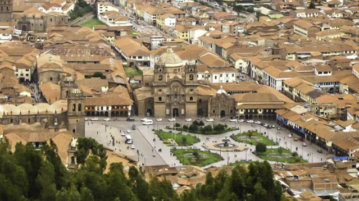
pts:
[38, 175]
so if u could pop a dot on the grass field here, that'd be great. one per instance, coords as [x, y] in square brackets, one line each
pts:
[132, 71]
[91, 23]
[196, 157]
[253, 138]
[180, 139]
[285, 157]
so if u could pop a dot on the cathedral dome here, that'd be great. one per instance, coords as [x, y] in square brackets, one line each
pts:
[170, 59]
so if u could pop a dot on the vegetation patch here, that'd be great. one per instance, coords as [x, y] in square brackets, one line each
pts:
[196, 157]
[81, 9]
[199, 127]
[280, 155]
[253, 137]
[92, 23]
[180, 139]
[132, 71]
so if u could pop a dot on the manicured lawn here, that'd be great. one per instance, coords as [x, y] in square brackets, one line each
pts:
[284, 157]
[252, 138]
[196, 157]
[91, 23]
[132, 71]
[180, 139]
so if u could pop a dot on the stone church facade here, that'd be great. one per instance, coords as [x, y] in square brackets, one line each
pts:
[173, 92]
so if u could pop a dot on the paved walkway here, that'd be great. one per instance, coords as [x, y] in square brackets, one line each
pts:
[148, 144]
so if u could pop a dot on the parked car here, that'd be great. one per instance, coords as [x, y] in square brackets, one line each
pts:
[210, 120]
[188, 119]
[106, 119]
[290, 136]
[133, 127]
[295, 139]
[233, 120]
[133, 146]
[304, 144]
[149, 122]
[241, 120]
[130, 119]
[172, 119]
[250, 121]
[145, 119]
[159, 119]
[320, 151]
[94, 119]
[257, 122]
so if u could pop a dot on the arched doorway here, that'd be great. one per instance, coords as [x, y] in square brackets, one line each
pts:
[175, 112]
[200, 112]
[149, 112]
[223, 113]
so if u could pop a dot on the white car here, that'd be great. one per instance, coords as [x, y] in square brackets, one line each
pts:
[210, 120]
[304, 144]
[133, 146]
[159, 119]
[250, 121]
[128, 131]
[123, 134]
[188, 119]
[106, 119]
[233, 120]
[149, 122]
[257, 122]
[172, 119]
[289, 135]
[94, 119]
[241, 120]
[145, 119]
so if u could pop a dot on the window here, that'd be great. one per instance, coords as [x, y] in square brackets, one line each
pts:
[191, 77]
[160, 77]
[160, 98]
[220, 75]
[74, 107]
[191, 98]
[191, 90]
[215, 77]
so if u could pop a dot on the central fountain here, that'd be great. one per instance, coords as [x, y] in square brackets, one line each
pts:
[226, 145]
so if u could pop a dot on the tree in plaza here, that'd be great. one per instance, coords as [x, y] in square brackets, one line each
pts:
[193, 128]
[219, 127]
[184, 140]
[250, 134]
[196, 155]
[207, 129]
[261, 148]
[280, 150]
